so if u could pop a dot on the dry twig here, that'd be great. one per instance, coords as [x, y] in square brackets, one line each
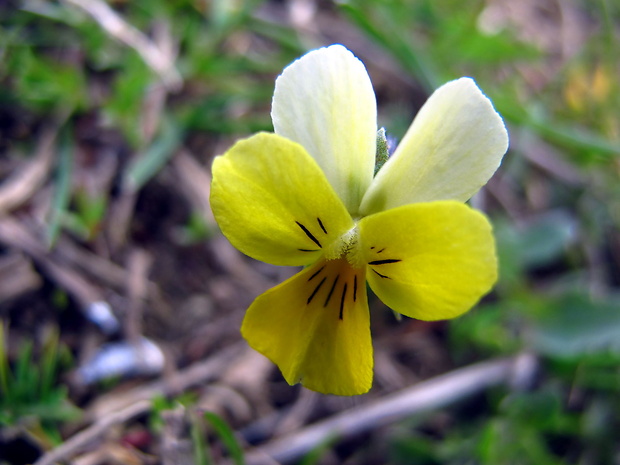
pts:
[16, 276]
[24, 183]
[199, 373]
[114, 409]
[159, 59]
[427, 395]
[77, 442]
[195, 182]
[137, 290]
[15, 234]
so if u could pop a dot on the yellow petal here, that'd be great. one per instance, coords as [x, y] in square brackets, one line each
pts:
[325, 101]
[273, 202]
[429, 261]
[316, 328]
[452, 148]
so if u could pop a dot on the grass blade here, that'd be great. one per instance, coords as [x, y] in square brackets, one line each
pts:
[201, 447]
[4, 365]
[154, 158]
[62, 190]
[227, 436]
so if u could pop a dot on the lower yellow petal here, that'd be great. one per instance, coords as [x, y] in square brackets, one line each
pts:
[429, 261]
[316, 328]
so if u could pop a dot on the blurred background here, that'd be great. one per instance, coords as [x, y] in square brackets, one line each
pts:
[120, 301]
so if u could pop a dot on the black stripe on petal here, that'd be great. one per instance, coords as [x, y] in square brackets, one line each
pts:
[316, 289]
[381, 275]
[309, 234]
[384, 262]
[316, 273]
[331, 291]
[344, 294]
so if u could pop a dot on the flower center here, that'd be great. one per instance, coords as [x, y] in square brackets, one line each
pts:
[358, 255]
[342, 245]
[335, 286]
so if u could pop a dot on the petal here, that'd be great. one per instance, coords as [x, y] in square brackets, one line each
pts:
[452, 148]
[273, 202]
[325, 102]
[435, 262]
[316, 328]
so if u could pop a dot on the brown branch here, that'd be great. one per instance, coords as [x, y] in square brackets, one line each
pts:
[194, 375]
[427, 395]
[93, 432]
[18, 188]
[113, 409]
[14, 234]
[159, 59]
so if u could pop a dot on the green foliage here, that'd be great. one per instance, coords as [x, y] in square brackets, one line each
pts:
[435, 41]
[227, 436]
[147, 164]
[30, 390]
[575, 325]
[194, 231]
[200, 429]
[133, 80]
[62, 188]
[525, 428]
[202, 454]
[44, 83]
[489, 330]
[90, 210]
[539, 243]
[161, 404]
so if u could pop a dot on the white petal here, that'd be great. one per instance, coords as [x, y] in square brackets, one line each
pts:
[451, 149]
[325, 102]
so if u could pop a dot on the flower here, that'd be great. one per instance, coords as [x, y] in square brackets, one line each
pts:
[306, 195]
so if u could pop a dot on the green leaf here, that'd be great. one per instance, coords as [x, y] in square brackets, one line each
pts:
[202, 454]
[91, 208]
[378, 23]
[31, 388]
[576, 325]
[4, 364]
[318, 453]
[488, 329]
[44, 84]
[62, 188]
[538, 243]
[154, 158]
[49, 364]
[538, 409]
[546, 238]
[24, 388]
[227, 436]
[125, 106]
[570, 135]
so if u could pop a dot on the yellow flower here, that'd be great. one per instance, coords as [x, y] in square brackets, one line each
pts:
[306, 195]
